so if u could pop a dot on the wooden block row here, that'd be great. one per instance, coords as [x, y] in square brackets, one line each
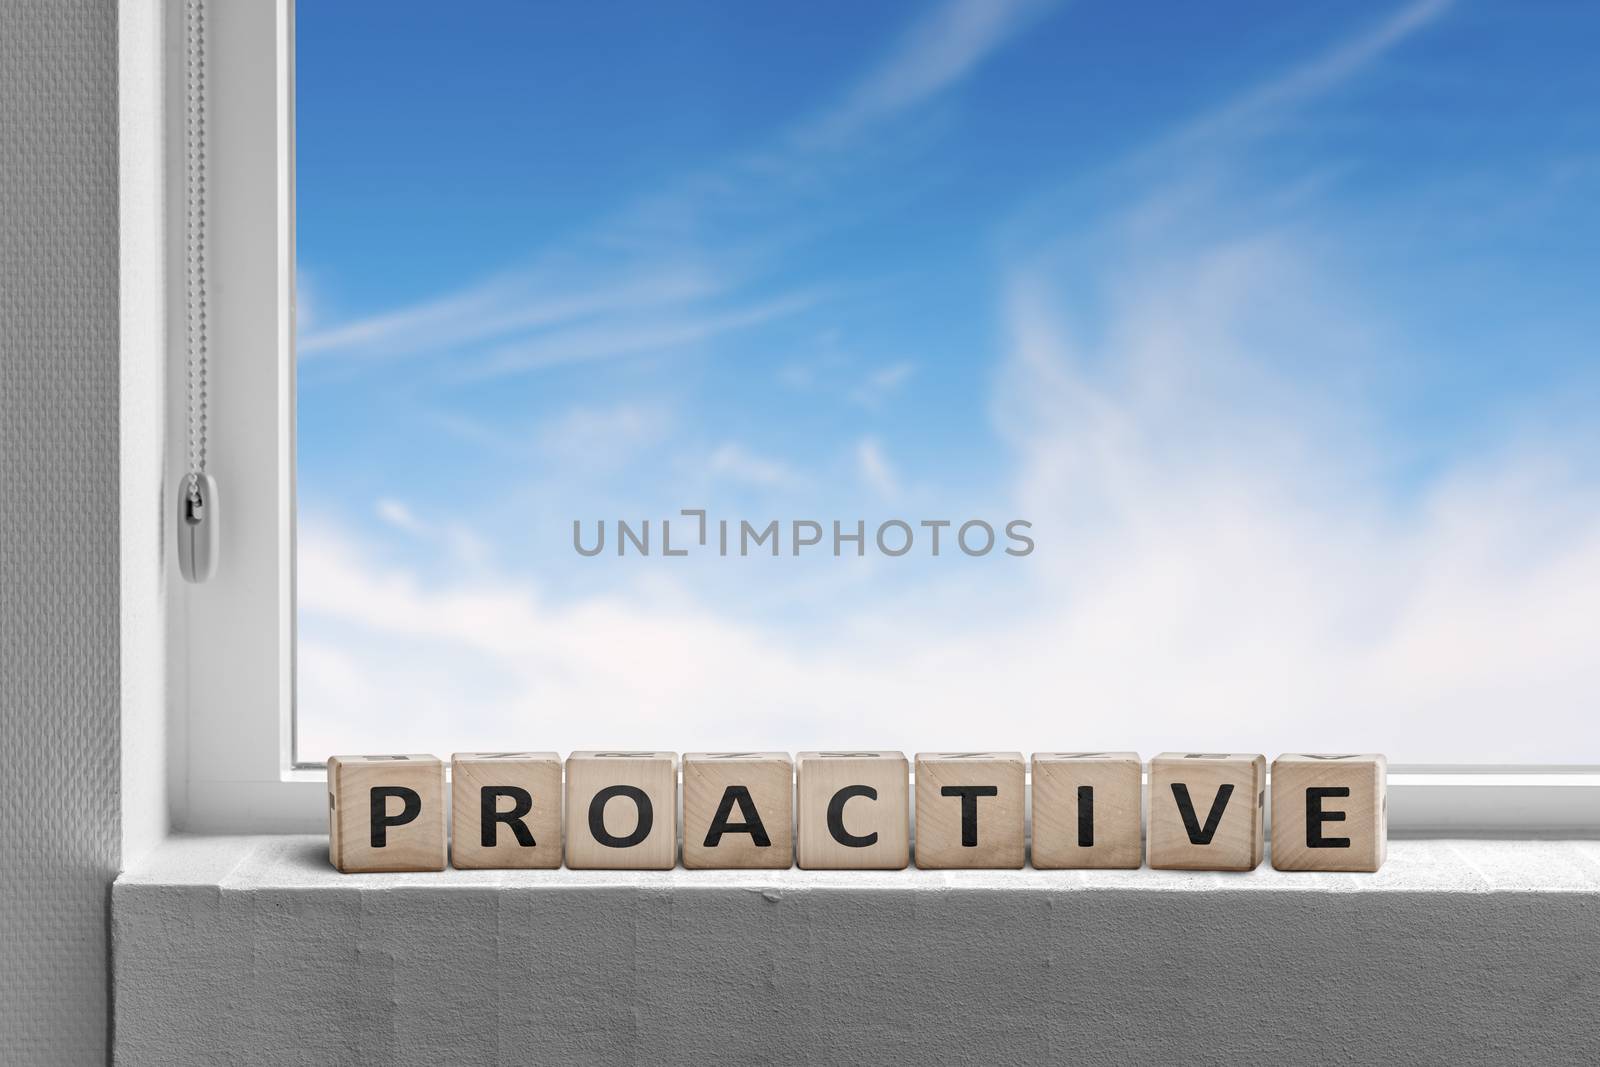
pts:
[619, 811]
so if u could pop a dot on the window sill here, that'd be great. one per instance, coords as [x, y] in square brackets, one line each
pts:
[225, 944]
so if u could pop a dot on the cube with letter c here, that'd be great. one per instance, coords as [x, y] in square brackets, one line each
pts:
[854, 810]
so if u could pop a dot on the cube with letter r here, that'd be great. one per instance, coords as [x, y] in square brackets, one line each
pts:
[386, 813]
[1329, 811]
[505, 810]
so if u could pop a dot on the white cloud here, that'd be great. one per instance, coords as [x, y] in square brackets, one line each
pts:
[510, 304]
[875, 468]
[645, 279]
[1218, 564]
[1331, 68]
[737, 463]
[882, 383]
[652, 335]
[462, 544]
[398, 515]
[937, 52]
[1222, 559]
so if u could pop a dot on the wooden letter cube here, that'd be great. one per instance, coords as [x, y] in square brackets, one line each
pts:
[1086, 810]
[1205, 811]
[854, 810]
[970, 808]
[1329, 813]
[622, 811]
[386, 813]
[738, 810]
[505, 809]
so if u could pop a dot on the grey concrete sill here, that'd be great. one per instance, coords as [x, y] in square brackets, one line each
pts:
[246, 950]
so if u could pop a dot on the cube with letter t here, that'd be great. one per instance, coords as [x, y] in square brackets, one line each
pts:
[386, 813]
[505, 810]
[1329, 812]
[622, 811]
[854, 810]
[1206, 811]
[970, 808]
[738, 810]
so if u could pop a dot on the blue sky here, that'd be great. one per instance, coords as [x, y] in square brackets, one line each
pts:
[1275, 320]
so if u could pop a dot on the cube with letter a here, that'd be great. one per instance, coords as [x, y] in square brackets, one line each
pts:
[1329, 812]
[1206, 811]
[505, 810]
[853, 810]
[386, 813]
[622, 811]
[970, 809]
[1086, 810]
[738, 810]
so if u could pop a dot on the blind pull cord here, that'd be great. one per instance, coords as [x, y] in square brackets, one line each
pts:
[197, 502]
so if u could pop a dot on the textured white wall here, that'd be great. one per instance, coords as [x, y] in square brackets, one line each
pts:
[59, 760]
[255, 951]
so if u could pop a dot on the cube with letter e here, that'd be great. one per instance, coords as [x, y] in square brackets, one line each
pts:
[386, 813]
[1329, 812]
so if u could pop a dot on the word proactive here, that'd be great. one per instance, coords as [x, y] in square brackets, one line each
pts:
[852, 811]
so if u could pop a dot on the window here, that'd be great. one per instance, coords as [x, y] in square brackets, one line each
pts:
[1240, 399]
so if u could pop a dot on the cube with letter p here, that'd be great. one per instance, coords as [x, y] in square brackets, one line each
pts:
[386, 813]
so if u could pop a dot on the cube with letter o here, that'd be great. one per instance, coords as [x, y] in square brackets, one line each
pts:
[622, 810]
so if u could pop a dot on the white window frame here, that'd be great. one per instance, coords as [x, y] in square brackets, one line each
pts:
[231, 672]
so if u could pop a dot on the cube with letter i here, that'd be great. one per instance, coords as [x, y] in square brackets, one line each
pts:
[970, 809]
[738, 810]
[1329, 812]
[1086, 810]
[505, 810]
[386, 813]
[1206, 811]
[853, 810]
[622, 811]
